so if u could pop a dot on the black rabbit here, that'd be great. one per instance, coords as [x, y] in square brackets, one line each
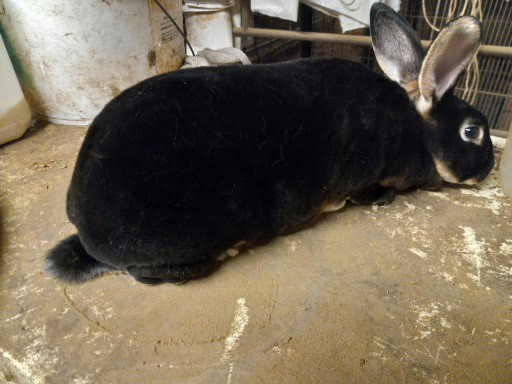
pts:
[184, 167]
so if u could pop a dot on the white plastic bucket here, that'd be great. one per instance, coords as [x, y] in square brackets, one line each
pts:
[209, 24]
[76, 55]
[15, 115]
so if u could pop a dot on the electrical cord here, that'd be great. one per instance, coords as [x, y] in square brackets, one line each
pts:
[176, 25]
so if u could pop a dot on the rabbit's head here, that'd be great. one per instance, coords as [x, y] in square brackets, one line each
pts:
[457, 134]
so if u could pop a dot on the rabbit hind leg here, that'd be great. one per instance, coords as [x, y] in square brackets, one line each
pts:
[167, 273]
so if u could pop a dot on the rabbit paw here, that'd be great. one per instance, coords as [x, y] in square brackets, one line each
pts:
[374, 195]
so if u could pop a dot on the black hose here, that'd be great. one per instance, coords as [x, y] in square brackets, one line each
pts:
[176, 25]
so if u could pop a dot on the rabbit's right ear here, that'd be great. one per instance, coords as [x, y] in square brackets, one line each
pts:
[397, 46]
[449, 55]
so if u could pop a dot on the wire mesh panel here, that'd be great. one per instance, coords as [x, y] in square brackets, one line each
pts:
[493, 94]
[488, 87]
[263, 50]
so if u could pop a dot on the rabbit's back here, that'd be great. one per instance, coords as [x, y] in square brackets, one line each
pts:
[242, 150]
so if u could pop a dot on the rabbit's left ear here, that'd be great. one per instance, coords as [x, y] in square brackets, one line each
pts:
[397, 46]
[449, 55]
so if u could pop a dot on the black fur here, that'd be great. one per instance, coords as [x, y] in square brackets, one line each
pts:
[179, 168]
[70, 262]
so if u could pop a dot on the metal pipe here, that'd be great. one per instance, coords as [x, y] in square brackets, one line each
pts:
[499, 133]
[306, 24]
[490, 50]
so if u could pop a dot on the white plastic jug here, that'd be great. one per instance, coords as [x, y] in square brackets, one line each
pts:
[506, 166]
[15, 116]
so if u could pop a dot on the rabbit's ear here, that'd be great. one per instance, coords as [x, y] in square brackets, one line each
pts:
[449, 55]
[397, 46]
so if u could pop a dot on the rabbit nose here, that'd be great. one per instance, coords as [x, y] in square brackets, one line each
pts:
[488, 168]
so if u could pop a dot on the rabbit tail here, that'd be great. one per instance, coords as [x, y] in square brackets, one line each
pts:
[70, 262]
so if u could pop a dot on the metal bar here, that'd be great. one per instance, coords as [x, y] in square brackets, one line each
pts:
[246, 20]
[490, 50]
[306, 25]
[497, 94]
[486, 83]
[245, 13]
[498, 133]
[436, 15]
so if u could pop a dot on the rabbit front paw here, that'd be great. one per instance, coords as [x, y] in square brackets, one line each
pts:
[375, 194]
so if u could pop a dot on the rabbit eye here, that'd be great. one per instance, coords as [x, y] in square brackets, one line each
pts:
[471, 133]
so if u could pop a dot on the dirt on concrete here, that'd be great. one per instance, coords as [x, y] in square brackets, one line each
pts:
[419, 291]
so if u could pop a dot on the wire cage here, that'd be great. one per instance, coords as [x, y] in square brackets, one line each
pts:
[490, 92]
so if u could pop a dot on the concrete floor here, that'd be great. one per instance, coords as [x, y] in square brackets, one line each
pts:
[416, 292]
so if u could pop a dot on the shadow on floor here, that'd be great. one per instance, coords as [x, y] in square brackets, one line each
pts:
[35, 128]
